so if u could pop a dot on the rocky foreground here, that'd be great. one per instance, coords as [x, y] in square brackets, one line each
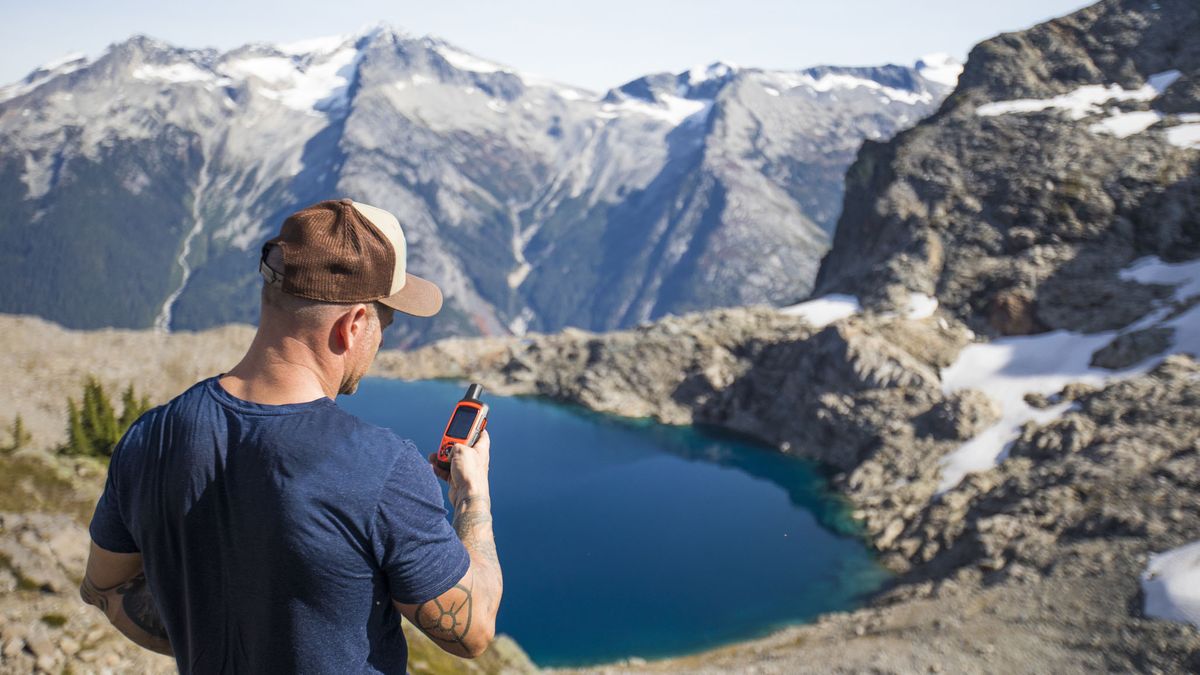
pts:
[46, 628]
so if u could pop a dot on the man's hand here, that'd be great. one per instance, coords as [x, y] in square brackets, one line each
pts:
[468, 474]
[462, 620]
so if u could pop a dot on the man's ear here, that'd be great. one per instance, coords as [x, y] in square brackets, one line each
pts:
[350, 327]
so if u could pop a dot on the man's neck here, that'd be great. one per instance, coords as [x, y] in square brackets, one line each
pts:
[277, 372]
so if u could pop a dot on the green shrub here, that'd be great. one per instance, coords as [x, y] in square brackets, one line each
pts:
[19, 436]
[93, 426]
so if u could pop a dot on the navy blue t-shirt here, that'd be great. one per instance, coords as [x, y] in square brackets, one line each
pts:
[274, 537]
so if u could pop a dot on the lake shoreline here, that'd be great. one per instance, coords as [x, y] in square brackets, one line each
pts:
[750, 523]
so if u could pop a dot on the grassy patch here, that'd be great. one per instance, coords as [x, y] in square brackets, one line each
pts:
[34, 482]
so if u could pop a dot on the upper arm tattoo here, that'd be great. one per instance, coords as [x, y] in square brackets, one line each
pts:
[447, 621]
[94, 595]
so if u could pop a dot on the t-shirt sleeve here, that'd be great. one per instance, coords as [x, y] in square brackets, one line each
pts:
[108, 528]
[417, 548]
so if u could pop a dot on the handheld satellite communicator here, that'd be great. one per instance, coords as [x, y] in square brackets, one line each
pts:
[465, 425]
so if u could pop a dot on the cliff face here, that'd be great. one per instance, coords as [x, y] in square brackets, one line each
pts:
[1066, 152]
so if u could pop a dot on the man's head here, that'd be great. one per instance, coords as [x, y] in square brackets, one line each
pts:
[332, 280]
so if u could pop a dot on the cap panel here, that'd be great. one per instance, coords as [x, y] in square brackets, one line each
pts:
[333, 254]
[342, 251]
[387, 224]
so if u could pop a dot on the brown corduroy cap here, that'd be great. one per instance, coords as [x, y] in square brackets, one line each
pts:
[342, 251]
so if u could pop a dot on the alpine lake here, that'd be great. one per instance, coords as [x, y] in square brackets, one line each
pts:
[626, 538]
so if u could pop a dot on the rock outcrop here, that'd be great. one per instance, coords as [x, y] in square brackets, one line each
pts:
[1015, 208]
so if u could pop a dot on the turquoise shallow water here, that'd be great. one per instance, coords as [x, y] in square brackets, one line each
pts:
[627, 538]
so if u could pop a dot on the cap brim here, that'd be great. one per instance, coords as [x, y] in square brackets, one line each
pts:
[418, 297]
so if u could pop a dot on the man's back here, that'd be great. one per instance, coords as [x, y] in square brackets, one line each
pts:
[275, 537]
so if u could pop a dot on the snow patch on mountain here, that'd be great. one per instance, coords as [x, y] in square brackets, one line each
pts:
[1084, 101]
[940, 67]
[920, 306]
[1171, 585]
[719, 70]
[673, 110]
[822, 311]
[309, 87]
[74, 59]
[43, 74]
[1125, 124]
[177, 72]
[831, 82]
[1089, 100]
[464, 61]
[1186, 135]
[1007, 369]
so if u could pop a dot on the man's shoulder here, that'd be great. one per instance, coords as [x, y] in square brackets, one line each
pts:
[389, 447]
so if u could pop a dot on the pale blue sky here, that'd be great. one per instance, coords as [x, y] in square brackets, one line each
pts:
[592, 44]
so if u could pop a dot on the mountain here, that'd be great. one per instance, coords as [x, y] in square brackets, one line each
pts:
[140, 185]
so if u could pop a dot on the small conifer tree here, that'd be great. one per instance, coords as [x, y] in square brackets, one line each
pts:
[93, 426]
[132, 408]
[20, 436]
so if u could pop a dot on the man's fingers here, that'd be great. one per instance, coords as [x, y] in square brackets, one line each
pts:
[438, 470]
[484, 442]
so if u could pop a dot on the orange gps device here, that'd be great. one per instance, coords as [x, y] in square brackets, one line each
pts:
[465, 425]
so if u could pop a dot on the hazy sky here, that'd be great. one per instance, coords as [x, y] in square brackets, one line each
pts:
[591, 44]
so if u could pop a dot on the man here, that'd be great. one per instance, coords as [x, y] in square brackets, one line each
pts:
[251, 525]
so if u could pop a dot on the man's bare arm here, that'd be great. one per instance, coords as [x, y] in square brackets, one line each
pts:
[116, 584]
[462, 620]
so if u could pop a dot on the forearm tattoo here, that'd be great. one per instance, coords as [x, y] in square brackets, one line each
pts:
[140, 608]
[473, 523]
[136, 601]
[447, 621]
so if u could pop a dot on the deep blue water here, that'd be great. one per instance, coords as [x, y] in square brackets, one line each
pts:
[624, 538]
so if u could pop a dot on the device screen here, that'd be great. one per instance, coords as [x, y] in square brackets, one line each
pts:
[460, 424]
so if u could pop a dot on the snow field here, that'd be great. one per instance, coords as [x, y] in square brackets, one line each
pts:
[1087, 101]
[822, 311]
[1171, 585]
[1009, 368]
